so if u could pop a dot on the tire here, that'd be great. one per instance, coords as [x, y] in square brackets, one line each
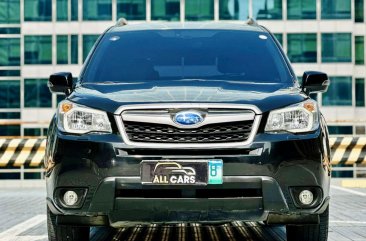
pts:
[65, 233]
[318, 232]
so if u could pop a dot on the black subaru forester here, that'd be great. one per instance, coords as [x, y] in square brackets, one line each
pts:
[193, 122]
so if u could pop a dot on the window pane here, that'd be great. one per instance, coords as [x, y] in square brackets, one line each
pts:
[336, 9]
[360, 92]
[279, 37]
[32, 132]
[336, 47]
[267, 9]
[360, 130]
[62, 49]
[359, 50]
[131, 9]
[9, 115]
[11, 130]
[10, 11]
[62, 10]
[74, 10]
[9, 30]
[301, 9]
[359, 15]
[10, 94]
[301, 48]
[45, 131]
[8, 72]
[88, 42]
[165, 10]
[97, 10]
[234, 9]
[339, 92]
[74, 49]
[36, 93]
[38, 49]
[340, 130]
[9, 52]
[37, 10]
[199, 10]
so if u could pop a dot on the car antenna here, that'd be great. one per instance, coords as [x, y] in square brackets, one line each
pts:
[121, 22]
[251, 21]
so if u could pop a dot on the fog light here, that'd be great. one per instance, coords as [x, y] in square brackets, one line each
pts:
[70, 198]
[306, 197]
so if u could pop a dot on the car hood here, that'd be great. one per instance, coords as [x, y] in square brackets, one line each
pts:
[109, 97]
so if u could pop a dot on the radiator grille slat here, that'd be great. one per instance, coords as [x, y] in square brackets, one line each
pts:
[213, 133]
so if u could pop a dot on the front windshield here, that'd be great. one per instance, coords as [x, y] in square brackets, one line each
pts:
[166, 55]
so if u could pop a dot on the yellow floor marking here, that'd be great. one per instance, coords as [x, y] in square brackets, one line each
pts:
[354, 183]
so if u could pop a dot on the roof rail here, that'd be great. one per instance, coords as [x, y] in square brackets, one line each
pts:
[121, 22]
[251, 21]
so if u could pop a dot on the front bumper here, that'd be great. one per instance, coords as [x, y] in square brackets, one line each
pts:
[257, 182]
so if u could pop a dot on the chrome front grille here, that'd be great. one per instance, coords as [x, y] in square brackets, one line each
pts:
[153, 125]
[213, 133]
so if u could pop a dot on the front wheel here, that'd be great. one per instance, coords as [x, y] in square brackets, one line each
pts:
[65, 233]
[318, 232]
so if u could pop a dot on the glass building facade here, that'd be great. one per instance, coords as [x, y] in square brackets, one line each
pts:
[168, 10]
[38, 49]
[301, 9]
[10, 12]
[37, 10]
[38, 37]
[131, 9]
[302, 48]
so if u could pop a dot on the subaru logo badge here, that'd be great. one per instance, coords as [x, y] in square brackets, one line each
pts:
[188, 118]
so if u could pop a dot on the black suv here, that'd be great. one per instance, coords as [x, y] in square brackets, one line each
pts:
[193, 122]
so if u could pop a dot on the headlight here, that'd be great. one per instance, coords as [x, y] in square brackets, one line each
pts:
[74, 118]
[302, 117]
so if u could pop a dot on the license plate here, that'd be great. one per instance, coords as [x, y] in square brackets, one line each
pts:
[181, 172]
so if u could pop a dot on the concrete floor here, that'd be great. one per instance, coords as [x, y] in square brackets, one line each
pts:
[22, 217]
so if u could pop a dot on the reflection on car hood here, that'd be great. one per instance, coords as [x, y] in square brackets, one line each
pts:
[108, 97]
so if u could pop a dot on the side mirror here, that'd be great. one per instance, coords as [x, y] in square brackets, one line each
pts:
[60, 83]
[313, 81]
